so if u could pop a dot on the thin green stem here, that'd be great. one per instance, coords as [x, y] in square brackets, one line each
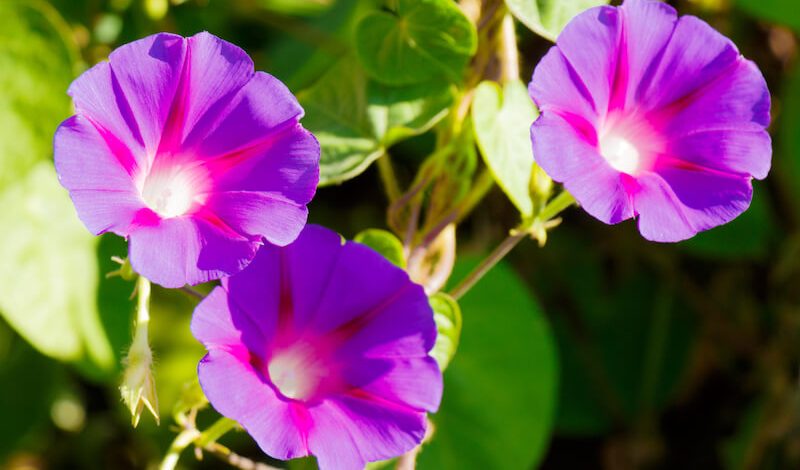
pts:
[388, 177]
[556, 205]
[183, 440]
[553, 208]
[221, 427]
[487, 264]
[193, 292]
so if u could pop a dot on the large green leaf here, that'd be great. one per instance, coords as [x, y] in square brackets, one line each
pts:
[502, 119]
[52, 287]
[500, 388]
[548, 17]
[35, 71]
[778, 11]
[356, 119]
[418, 41]
[49, 278]
[624, 338]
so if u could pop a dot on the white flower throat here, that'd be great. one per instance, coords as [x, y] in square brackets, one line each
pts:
[170, 192]
[620, 153]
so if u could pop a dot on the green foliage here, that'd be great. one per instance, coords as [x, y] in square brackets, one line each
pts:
[548, 17]
[787, 168]
[54, 293]
[502, 118]
[418, 41]
[50, 297]
[356, 119]
[624, 341]
[447, 315]
[29, 382]
[35, 70]
[500, 389]
[778, 11]
[385, 243]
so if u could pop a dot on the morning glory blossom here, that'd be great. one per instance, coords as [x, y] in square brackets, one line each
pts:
[647, 115]
[321, 348]
[180, 146]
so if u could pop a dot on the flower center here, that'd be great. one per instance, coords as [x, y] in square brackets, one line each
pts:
[620, 153]
[169, 193]
[297, 372]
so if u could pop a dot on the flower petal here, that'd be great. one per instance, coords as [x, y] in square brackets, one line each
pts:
[220, 325]
[648, 28]
[288, 166]
[403, 329]
[379, 284]
[676, 203]
[183, 250]
[732, 151]
[215, 71]
[415, 383]
[148, 72]
[97, 96]
[596, 65]
[556, 86]
[260, 214]
[235, 391]
[736, 100]
[85, 160]
[568, 156]
[366, 430]
[253, 118]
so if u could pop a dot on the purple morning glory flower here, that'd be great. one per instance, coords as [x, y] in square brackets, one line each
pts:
[650, 115]
[178, 145]
[321, 347]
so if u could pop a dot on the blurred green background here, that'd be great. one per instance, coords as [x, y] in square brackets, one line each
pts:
[599, 351]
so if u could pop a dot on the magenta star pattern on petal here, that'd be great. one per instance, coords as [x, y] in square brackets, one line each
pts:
[321, 348]
[180, 146]
[644, 114]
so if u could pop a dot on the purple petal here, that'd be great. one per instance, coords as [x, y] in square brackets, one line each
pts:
[256, 291]
[675, 204]
[100, 186]
[183, 250]
[84, 159]
[288, 165]
[215, 72]
[148, 72]
[596, 65]
[738, 99]
[569, 157]
[648, 27]
[732, 151]
[415, 383]
[97, 95]
[379, 286]
[261, 214]
[695, 56]
[403, 329]
[556, 87]
[220, 325]
[365, 431]
[253, 118]
[235, 391]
